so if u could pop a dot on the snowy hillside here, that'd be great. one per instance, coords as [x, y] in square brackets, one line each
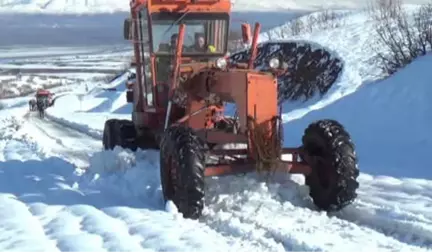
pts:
[22, 71]
[60, 191]
[388, 120]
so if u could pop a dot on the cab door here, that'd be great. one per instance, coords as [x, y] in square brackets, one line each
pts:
[145, 43]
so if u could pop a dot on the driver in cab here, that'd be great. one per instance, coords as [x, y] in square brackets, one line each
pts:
[163, 63]
[200, 45]
[171, 47]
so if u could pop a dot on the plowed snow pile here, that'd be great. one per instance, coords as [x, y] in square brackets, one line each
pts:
[388, 120]
[116, 204]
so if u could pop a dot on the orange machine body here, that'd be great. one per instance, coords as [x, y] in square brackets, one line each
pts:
[253, 92]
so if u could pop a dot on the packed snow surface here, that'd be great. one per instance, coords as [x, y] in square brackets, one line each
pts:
[59, 191]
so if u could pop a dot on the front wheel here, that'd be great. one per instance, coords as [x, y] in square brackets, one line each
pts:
[182, 165]
[331, 155]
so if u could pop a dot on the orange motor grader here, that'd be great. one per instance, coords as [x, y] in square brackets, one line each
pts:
[184, 80]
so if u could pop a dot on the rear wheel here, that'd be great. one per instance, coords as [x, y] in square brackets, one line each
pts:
[128, 135]
[119, 133]
[182, 165]
[330, 150]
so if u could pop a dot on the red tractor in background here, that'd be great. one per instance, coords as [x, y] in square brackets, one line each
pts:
[184, 80]
[44, 99]
[45, 96]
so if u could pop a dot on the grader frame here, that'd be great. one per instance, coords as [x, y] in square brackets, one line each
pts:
[190, 132]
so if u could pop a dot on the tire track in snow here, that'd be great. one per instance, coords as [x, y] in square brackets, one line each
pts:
[65, 142]
[402, 226]
[68, 144]
[399, 208]
[224, 213]
[274, 217]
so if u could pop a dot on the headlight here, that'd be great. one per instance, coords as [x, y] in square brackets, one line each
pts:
[221, 63]
[274, 63]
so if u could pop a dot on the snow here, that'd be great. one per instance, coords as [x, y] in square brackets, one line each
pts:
[23, 72]
[59, 191]
[361, 102]
[88, 112]
[387, 121]
[64, 217]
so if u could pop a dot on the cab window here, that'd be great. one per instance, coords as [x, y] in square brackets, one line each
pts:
[204, 34]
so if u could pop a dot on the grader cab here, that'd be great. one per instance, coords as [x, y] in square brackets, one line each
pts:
[184, 80]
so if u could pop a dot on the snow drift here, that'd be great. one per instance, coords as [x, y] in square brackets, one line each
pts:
[389, 122]
[239, 207]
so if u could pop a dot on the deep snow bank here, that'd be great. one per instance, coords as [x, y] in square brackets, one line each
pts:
[389, 122]
[349, 35]
[134, 174]
[127, 175]
[388, 210]
[46, 207]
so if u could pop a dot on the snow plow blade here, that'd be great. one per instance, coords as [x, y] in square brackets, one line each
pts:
[312, 69]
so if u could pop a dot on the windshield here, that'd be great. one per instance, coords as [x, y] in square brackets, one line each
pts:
[204, 34]
[42, 97]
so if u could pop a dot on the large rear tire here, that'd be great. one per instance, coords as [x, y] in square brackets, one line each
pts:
[119, 133]
[182, 165]
[333, 181]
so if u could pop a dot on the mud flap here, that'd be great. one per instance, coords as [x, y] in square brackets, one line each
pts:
[312, 69]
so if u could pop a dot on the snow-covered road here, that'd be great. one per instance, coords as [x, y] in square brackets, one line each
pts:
[64, 142]
[46, 205]
[124, 210]
[280, 215]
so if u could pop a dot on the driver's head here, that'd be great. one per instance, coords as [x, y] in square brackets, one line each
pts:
[174, 38]
[199, 40]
